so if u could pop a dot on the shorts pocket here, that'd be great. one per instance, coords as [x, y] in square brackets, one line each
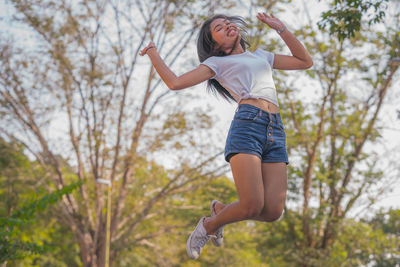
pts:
[245, 115]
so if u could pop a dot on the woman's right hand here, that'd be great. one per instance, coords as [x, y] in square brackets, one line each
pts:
[151, 45]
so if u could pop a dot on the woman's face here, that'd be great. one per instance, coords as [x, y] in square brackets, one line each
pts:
[225, 34]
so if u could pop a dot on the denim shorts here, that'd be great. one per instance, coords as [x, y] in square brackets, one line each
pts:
[255, 131]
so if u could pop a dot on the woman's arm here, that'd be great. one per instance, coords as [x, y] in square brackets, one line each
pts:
[300, 58]
[191, 78]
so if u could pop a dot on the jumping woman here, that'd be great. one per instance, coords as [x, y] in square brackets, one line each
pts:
[256, 145]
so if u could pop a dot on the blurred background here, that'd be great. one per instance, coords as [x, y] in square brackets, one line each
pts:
[102, 165]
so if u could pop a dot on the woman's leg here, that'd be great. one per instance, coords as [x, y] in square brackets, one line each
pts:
[247, 174]
[275, 185]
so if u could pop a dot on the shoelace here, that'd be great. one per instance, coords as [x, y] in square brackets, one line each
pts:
[200, 241]
[219, 233]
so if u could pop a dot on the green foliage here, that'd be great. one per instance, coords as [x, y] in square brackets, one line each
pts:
[178, 214]
[388, 222]
[11, 247]
[358, 243]
[15, 169]
[31, 235]
[344, 19]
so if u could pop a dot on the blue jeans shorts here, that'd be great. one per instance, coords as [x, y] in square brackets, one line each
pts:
[255, 131]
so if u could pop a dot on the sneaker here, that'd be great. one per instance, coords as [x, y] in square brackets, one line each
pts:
[219, 233]
[197, 240]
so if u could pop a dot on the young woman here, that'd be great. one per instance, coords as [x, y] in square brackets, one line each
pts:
[255, 146]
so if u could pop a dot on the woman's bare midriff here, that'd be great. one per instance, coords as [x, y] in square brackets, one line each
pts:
[261, 103]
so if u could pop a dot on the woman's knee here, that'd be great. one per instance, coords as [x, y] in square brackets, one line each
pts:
[252, 208]
[271, 215]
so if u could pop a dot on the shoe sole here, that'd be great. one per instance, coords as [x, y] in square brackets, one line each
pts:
[188, 250]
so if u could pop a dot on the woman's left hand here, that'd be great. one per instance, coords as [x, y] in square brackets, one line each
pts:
[271, 21]
[144, 50]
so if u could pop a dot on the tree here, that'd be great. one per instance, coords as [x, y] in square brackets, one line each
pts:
[333, 169]
[389, 223]
[344, 19]
[12, 245]
[82, 75]
[22, 202]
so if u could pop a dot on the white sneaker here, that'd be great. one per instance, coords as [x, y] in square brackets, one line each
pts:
[197, 240]
[219, 233]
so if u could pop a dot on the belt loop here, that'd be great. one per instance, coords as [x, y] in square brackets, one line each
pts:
[270, 117]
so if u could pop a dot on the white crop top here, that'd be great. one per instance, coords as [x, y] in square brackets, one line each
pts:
[246, 75]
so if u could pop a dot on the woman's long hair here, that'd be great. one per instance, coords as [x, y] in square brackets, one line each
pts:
[206, 47]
